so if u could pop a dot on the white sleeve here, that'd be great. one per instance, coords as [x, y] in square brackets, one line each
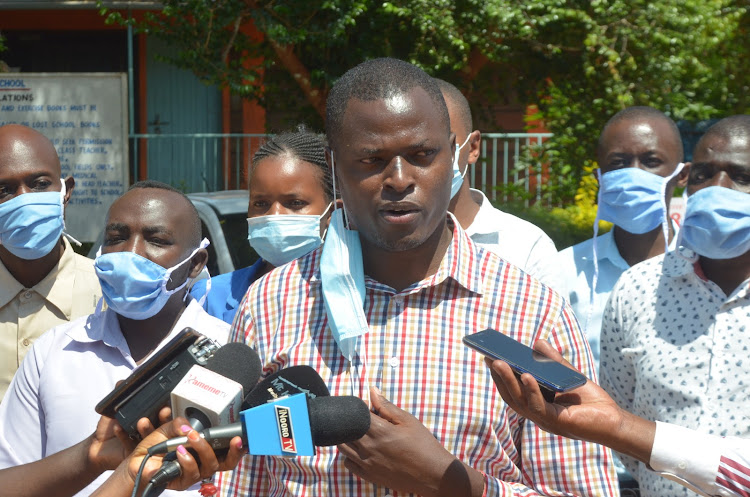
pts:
[22, 425]
[543, 263]
[707, 464]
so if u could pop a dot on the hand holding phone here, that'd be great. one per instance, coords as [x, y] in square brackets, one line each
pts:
[552, 376]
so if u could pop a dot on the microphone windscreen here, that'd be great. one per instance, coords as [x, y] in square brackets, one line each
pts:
[338, 419]
[285, 382]
[237, 362]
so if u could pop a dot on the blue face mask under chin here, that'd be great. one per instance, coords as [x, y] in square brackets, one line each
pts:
[717, 223]
[136, 287]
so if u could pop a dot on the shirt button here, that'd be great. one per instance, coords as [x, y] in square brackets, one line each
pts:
[393, 362]
[26, 342]
[682, 465]
[27, 294]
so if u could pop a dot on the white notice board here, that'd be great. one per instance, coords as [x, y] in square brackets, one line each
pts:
[85, 115]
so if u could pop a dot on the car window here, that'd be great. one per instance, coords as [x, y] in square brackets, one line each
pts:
[235, 232]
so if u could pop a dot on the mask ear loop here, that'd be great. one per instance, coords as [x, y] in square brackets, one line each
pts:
[168, 274]
[458, 151]
[62, 208]
[595, 278]
[320, 218]
[665, 222]
[333, 176]
[688, 255]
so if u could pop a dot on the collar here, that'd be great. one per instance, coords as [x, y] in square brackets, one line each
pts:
[103, 326]
[56, 287]
[460, 263]
[606, 250]
[482, 224]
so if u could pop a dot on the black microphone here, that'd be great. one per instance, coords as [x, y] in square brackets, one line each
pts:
[285, 382]
[212, 395]
[332, 421]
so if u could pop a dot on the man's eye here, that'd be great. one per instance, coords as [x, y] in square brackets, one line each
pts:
[297, 203]
[42, 184]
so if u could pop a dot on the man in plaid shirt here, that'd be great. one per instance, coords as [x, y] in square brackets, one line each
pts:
[438, 426]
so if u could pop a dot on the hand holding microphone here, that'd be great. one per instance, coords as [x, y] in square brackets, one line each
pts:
[121, 482]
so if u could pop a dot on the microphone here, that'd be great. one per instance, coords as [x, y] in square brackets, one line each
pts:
[288, 426]
[286, 382]
[302, 381]
[212, 395]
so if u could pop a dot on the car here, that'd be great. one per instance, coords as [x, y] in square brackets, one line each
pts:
[223, 217]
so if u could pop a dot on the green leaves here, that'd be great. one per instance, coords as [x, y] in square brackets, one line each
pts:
[581, 61]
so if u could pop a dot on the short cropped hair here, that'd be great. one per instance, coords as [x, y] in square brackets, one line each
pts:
[458, 99]
[378, 79]
[302, 144]
[640, 112]
[196, 230]
[729, 127]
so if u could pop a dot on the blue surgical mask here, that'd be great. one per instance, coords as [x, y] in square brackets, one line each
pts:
[458, 176]
[281, 238]
[135, 287]
[633, 199]
[31, 223]
[342, 276]
[717, 223]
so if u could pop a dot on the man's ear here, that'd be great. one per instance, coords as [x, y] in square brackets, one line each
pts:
[198, 262]
[70, 184]
[475, 144]
[682, 178]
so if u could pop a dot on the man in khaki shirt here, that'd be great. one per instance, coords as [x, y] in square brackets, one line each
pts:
[43, 282]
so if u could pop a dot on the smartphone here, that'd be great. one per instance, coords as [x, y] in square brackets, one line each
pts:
[551, 375]
[148, 388]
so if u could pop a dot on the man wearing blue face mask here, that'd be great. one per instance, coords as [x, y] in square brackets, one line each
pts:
[43, 282]
[152, 250]
[674, 337]
[640, 160]
[515, 240]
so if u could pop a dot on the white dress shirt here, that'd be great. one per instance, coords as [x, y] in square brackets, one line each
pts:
[519, 242]
[675, 349]
[50, 403]
[706, 464]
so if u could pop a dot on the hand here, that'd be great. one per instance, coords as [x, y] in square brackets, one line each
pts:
[584, 413]
[124, 475]
[398, 452]
[109, 445]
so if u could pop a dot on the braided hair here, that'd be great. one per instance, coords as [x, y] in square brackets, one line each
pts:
[301, 144]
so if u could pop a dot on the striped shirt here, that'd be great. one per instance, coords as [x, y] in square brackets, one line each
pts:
[413, 353]
[734, 473]
[707, 464]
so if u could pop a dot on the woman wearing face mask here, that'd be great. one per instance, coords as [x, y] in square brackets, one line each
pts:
[290, 198]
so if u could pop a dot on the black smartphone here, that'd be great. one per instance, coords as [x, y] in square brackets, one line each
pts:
[552, 376]
[147, 389]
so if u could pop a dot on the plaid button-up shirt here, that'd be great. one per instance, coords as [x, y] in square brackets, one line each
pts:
[414, 354]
